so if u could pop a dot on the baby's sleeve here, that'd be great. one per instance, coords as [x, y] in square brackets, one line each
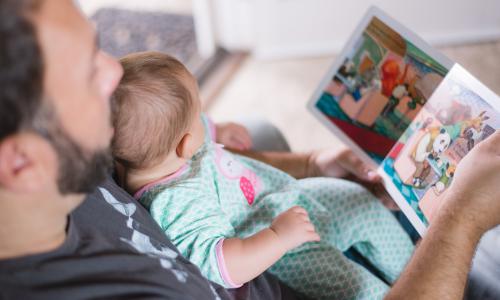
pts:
[196, 224]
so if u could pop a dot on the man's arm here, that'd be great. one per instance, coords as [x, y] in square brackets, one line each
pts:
[338, 163]
[439, 267]
[471, 206]
[297, 165]
[334, 162]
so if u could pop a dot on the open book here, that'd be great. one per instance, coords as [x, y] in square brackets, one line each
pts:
[406, 110]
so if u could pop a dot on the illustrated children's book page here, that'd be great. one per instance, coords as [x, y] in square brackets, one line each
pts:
[377, 86]
[420, 167]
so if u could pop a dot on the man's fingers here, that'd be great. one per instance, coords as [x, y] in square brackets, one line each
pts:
[372, 176]
[492, 142]
[358, 168]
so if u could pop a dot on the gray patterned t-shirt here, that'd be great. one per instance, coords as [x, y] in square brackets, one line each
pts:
[115, 250]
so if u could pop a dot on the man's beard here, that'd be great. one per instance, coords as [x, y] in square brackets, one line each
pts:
[80, 171]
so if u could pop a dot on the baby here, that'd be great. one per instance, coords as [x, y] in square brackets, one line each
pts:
[235, 217]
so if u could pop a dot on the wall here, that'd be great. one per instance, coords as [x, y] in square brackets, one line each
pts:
[291, 28]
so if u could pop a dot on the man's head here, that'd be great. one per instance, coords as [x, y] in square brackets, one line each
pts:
[55, 85]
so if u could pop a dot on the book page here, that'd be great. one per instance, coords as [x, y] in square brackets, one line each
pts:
[420, 167]
[377, 86]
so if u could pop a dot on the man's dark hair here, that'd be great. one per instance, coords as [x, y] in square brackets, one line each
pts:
[21, 66]
[24, 107]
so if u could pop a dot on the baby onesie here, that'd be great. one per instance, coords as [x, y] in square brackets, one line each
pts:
[219, 195]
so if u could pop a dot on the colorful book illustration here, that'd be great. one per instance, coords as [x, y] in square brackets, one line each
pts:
[406, 110]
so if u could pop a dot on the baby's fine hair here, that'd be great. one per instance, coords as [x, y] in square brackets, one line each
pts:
[152, 108]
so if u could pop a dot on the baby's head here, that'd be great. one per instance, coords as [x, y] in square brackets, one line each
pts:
[156, 112]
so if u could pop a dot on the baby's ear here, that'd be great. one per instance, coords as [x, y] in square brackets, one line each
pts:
[184, 148]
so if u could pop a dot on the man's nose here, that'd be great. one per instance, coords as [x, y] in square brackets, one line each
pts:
[112, 74]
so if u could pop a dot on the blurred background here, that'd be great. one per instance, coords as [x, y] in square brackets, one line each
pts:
[265, 58]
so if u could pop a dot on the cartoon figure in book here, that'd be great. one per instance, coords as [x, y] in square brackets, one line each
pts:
[391, 76]
[348, 75]
[394, 84]
[437, 140]
[397, 95]
[430, 146]
[473, 128]
[445, 180]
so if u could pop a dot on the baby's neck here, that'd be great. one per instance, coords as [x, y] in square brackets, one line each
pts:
[136, 179]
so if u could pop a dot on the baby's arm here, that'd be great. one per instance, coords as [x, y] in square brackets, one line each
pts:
[247, 258]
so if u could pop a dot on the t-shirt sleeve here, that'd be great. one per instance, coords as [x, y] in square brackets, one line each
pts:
[196, 224]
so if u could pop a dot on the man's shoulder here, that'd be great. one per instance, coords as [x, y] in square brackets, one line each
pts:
[113, 249]
[117, 216]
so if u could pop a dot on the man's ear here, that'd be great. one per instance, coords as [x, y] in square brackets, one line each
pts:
[184, 148]
[27, 163]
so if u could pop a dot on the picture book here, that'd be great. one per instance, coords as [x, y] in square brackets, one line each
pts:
[406, 110]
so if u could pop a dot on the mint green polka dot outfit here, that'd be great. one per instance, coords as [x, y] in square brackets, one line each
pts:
[219, 195]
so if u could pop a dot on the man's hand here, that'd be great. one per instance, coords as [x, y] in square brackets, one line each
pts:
[379, 191]
[294, 228]
[340, 164]
[345, 164]
[474, 195]
[233, 136]
[471, 206]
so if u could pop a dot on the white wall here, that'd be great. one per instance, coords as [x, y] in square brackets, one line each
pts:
[89, 7]
[290, 28]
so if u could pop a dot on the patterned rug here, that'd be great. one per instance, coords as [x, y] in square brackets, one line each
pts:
[124, 31]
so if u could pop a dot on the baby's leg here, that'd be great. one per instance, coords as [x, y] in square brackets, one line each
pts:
[324, 272]
[354, 217]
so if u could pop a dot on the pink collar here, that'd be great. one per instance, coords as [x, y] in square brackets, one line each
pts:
[162, 180]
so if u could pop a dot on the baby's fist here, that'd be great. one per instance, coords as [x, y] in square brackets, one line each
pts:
[294, 228]
[233, 136]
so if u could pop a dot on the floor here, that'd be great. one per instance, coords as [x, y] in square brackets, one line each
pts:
[279, 90]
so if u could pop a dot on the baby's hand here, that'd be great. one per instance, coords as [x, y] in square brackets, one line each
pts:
[233, 136]
[294, 228]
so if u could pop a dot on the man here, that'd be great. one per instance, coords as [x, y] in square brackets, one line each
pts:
[54, 133]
